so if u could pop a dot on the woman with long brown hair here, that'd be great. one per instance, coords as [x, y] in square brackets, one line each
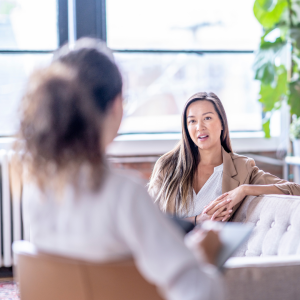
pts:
[201, 177]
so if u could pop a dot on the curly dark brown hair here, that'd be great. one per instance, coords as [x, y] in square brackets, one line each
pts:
[61, 115]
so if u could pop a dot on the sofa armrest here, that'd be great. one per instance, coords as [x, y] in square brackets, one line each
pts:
[263, 278]
[258, 261]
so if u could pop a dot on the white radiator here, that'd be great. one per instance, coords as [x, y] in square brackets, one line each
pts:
[11, 227]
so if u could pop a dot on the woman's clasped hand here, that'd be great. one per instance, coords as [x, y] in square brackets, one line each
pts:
[221, 208]
[217, 210]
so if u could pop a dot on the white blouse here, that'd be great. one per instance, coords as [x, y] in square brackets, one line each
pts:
[211, 190]
[114, 222]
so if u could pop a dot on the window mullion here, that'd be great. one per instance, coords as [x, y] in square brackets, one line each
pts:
[91, 18]
[63, 35]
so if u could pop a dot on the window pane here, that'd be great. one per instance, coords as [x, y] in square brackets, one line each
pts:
[14, 70]
[28, 24]
[182, 24]
[158, 85]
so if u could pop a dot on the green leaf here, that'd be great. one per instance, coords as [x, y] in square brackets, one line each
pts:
[283, 32]
[267, 97]
[268, 15]
[264, 64]
[295, 36]
[266, 4]
[294, 97]
[7, 6]
[266, 129]
[295, 12]
[295, 129]
[277, 44]
[296, 65]
[270, 96]
[266, 73]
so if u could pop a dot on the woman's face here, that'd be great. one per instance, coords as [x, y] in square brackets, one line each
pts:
[204, 125]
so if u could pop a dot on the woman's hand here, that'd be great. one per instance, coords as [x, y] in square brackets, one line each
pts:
[202, 218]
[206, 242]
[231, 199]
[211, 246]
[209, 211]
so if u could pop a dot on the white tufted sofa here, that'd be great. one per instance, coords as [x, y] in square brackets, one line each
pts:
[267, 266]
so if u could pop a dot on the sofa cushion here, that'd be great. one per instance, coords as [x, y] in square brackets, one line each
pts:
[277, 225]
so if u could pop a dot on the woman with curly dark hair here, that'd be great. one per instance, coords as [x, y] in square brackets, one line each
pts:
[82, 208]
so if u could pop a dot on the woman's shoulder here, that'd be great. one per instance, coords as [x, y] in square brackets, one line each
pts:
[239, 158]
[236, 156]
[242, 162]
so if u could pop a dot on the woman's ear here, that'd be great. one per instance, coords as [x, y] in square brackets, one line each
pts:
[112, 121]
[116, 109]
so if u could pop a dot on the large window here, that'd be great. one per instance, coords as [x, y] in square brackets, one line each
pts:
[28, 25]
[168, 50]
[28, 34]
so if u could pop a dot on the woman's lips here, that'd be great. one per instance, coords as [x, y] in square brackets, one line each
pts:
[203, 137]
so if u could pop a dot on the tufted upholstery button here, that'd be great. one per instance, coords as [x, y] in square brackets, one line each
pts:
[257, 223]
[261, 254]
[272, 225]
[289, 228]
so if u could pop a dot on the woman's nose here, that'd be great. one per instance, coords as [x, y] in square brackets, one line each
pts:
[201, 126]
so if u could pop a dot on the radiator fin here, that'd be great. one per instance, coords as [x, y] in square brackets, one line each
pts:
[11, 195]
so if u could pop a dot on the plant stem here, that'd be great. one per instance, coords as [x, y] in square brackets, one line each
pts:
[290, 12]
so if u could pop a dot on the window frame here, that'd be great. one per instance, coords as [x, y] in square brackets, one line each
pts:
[159, 143]
[84, 26]
[184, 51]
[95, 26]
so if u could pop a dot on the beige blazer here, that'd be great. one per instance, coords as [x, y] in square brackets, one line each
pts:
[239, 169]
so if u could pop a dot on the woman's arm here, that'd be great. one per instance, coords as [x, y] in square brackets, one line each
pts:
[239, 193]
[256, 190]
[259, 177]
[189, 219]
[199, 218]
[258, 182]
[159, 250]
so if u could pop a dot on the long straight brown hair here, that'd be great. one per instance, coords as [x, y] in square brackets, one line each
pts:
[174, 172]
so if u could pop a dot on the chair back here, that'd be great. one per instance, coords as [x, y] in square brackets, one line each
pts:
[43, 276]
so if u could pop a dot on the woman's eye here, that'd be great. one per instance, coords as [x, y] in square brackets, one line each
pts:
[207, 118]
[191, 121]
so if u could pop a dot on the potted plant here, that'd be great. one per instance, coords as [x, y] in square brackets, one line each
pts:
[277, 63]
[295, 135]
